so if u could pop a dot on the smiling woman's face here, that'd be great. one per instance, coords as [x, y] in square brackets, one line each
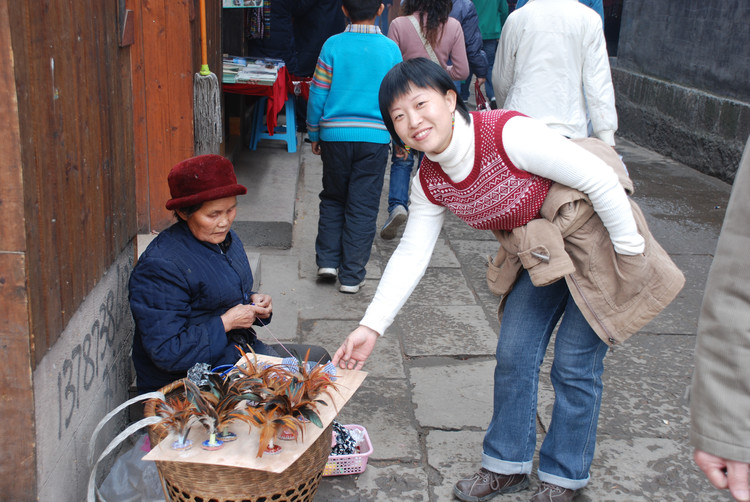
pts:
[211, 223]
[423, 119]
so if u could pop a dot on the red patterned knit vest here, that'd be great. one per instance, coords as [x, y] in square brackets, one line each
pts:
[496, 195]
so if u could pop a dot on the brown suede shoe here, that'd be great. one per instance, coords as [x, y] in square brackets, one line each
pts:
[486, 484]
[553, 493]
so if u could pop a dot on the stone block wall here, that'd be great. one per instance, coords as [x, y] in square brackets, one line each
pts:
[682, 80]
[704, 131]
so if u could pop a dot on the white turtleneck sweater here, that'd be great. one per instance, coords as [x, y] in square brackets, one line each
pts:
[531, 146]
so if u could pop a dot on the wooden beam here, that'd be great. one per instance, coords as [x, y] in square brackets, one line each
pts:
[162, 67]
[140, 132]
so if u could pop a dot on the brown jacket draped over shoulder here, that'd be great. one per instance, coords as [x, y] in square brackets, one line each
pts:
[617, 294]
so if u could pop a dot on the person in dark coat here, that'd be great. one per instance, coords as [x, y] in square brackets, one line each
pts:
[492, 15]
[314, 22]
[466, 14]
[277, 38]
[191, 292]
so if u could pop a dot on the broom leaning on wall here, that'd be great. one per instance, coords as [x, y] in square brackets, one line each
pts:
[206, 101]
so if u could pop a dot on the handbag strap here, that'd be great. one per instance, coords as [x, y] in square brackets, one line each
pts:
[426, 44]
[481, 101]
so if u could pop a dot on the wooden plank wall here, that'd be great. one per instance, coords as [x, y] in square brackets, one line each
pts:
[165, 57]
[67, 190]
[17, 406]
[74, 102]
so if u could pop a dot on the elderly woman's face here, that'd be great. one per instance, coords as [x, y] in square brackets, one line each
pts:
[423, 119]
[211, 223]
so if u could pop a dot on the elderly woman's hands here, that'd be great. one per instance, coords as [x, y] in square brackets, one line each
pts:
[263, 301]
[243, 316]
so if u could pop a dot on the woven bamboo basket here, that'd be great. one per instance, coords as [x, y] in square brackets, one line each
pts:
[193, 482]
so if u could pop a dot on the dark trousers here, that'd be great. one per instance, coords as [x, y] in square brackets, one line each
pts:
[353, 175]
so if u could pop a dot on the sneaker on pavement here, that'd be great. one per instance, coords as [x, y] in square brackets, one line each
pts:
[485, 484]
[552, 493]
[351, 289]
[493, 104]
[396, 218]
[327, 273]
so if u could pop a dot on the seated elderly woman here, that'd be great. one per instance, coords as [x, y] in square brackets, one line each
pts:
[191, 293]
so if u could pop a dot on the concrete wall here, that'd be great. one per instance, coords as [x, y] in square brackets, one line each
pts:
[682, 80]
[83, 376]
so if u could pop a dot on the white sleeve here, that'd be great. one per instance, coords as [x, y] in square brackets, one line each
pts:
[505, 61]
[535, 148]
[597, 85]
[409, 261]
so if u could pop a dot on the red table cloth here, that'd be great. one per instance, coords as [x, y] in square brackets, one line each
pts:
[276, 94]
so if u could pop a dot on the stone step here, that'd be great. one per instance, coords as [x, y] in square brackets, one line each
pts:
[265, 216]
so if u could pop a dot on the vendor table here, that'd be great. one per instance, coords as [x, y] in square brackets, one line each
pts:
[241, 453]
[276, 94]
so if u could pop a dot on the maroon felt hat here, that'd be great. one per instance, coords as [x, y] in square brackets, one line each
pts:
[200, 179]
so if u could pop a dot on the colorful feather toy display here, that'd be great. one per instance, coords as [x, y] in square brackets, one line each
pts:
[278, 399]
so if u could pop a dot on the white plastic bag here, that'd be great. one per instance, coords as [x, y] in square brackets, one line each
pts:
[132, 479]
[93, 494]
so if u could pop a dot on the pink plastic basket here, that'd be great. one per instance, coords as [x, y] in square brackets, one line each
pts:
[339, 465]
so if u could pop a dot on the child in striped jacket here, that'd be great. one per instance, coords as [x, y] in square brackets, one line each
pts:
[346, 129]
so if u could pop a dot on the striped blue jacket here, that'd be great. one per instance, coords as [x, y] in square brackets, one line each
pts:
[343, 104]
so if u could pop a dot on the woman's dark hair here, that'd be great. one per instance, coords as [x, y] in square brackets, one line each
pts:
[413, 73]
[361, 10]
[436, 13]
[187, 211]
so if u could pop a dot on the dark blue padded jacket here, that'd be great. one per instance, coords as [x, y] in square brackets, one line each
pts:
[466, 13]
[178, 291]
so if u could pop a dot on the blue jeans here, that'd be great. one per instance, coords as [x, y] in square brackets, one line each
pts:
[353, 174]
[490, 48]
[398, 187]
[529, 318]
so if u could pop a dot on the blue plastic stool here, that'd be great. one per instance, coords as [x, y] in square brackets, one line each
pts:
[286, 133]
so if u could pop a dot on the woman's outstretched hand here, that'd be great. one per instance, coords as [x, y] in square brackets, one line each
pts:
[356, 348]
